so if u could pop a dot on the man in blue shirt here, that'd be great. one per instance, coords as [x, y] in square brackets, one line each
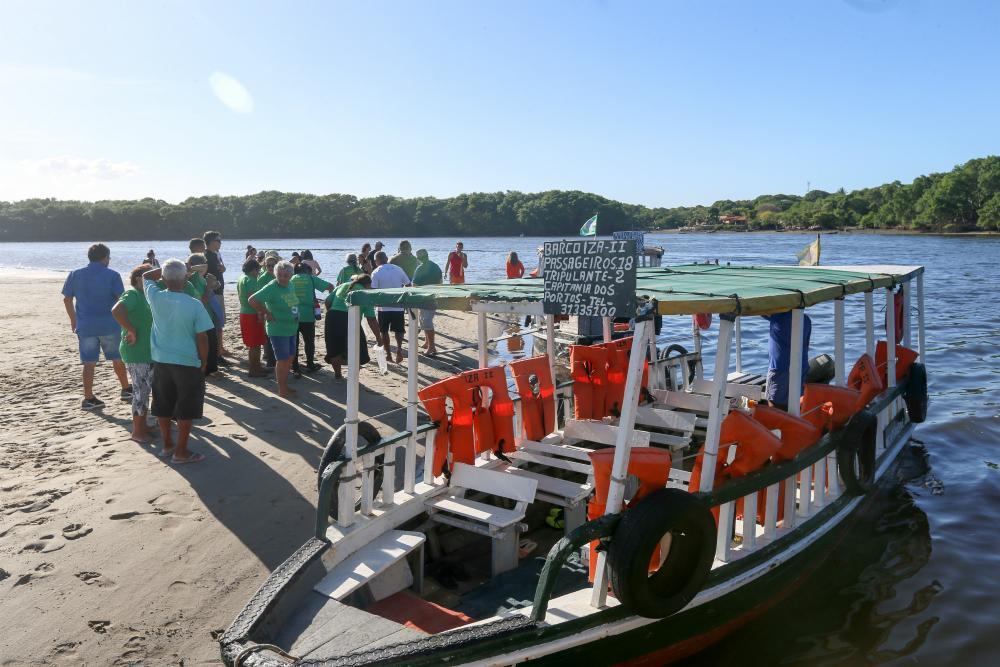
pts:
[179, 347]
[95, 289]
[779, 352]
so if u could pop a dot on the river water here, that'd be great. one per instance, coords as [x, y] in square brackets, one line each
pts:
[915, 580]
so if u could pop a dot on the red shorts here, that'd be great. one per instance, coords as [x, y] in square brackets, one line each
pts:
[252, 329]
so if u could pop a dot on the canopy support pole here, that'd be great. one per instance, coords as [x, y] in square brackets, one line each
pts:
[794, 393]
[839, 362]
[739, 346]
[697, 349]
[870, 324]
[606, 328]
[345, 513]
[623, 442]
[907, 329]
[481, 348]
[921, 332]
[550, 345]
[409, 472]
[718, 404]
[890, 337]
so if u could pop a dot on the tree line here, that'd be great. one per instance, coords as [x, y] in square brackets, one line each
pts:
[964, 199]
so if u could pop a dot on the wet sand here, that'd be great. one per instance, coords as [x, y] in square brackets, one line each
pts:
[109, 555]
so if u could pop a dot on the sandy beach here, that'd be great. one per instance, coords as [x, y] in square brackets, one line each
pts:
[108, 555]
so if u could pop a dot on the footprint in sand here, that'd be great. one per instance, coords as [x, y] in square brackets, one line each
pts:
[45, 544]
[4, 574]
[124, 515]
[100, 627]
[75, 531]
[94, 579]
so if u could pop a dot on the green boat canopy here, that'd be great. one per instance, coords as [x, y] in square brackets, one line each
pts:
[678, 290]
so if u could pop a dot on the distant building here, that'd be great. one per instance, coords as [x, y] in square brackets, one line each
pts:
[733, 219]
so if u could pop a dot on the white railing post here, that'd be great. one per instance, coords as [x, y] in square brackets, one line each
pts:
[870, 324]
[606, 328]
[345, 512]
[890, 337]
[839, 362]
[907, 332]
[623, 442]
[750, 521]
[481, 348]
[739, 346]
[795, 362]
[550, 345]
[429, 437]
[921, 332]
[718, 404]
[412, 359]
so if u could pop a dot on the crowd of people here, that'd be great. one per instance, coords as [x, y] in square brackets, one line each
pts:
[163, 334]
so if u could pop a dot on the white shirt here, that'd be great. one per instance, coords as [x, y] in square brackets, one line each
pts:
[389, 276]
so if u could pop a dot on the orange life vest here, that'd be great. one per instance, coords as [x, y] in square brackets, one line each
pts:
[652, 467]
[864, 377]
[844, 400]
[796, 434]
[618, 354]
[475, 426]
[538, 412]
[904, 359]
[589, 369]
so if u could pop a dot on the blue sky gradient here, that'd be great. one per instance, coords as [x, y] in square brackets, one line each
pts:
[659, 103]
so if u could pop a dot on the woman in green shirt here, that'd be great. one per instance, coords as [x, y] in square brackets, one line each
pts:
[336, 330]
[278, 303]
[251, 324]
[305, 285]
[350, 269]
[133, 315]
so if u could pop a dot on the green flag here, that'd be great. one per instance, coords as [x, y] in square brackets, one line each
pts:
[590, 227]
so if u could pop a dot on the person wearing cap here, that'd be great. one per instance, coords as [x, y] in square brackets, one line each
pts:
[404, 259]
[427, 273]
[350, 269]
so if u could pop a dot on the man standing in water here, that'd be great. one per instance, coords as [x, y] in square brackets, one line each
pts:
[458, 262]
[387, 276]
[96, 289]
[179, 348]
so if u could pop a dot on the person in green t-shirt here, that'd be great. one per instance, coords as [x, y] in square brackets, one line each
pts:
[251, 324]
[204, 284]
[336, 331]
[305, 285]
[136, 320]
[404, 259]
[350, 269]
[278, 303]
[428, 273]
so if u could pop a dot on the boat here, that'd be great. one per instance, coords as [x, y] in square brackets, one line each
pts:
[683, 505]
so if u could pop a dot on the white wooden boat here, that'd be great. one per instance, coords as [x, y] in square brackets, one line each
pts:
[686, 565]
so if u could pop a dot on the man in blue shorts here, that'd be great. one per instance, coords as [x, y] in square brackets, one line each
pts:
[95, 289]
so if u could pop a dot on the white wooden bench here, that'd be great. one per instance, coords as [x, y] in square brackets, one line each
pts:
[682, 424]
[371, 566]
[499, 524]
[752, 392]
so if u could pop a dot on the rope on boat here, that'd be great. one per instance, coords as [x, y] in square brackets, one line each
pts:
[247, 652]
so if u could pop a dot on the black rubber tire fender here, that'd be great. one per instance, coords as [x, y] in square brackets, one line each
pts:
[856, 452]
[367, 435]
[688, 561]
[915, 394]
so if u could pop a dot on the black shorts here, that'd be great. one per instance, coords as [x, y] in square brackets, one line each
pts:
[178, 391]
[391, 320]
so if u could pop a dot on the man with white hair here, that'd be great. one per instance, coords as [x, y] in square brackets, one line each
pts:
[179, 346]
[278, 303]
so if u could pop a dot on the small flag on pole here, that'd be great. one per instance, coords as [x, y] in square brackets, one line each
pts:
[809, 256]
[590, 227]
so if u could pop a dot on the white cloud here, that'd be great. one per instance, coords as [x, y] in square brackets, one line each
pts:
[99, 168]
[231, 92]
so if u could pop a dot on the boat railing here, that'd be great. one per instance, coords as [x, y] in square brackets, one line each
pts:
[736, 540]
[339, 477]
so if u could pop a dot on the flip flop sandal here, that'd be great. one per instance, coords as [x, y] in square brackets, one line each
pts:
[555, 519]
[525, 548]
[166, 453]
[192, 458]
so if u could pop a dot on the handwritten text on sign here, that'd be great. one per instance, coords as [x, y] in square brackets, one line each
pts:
[595, 278]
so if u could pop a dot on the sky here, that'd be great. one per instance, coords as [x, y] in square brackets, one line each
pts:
[656, 103]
